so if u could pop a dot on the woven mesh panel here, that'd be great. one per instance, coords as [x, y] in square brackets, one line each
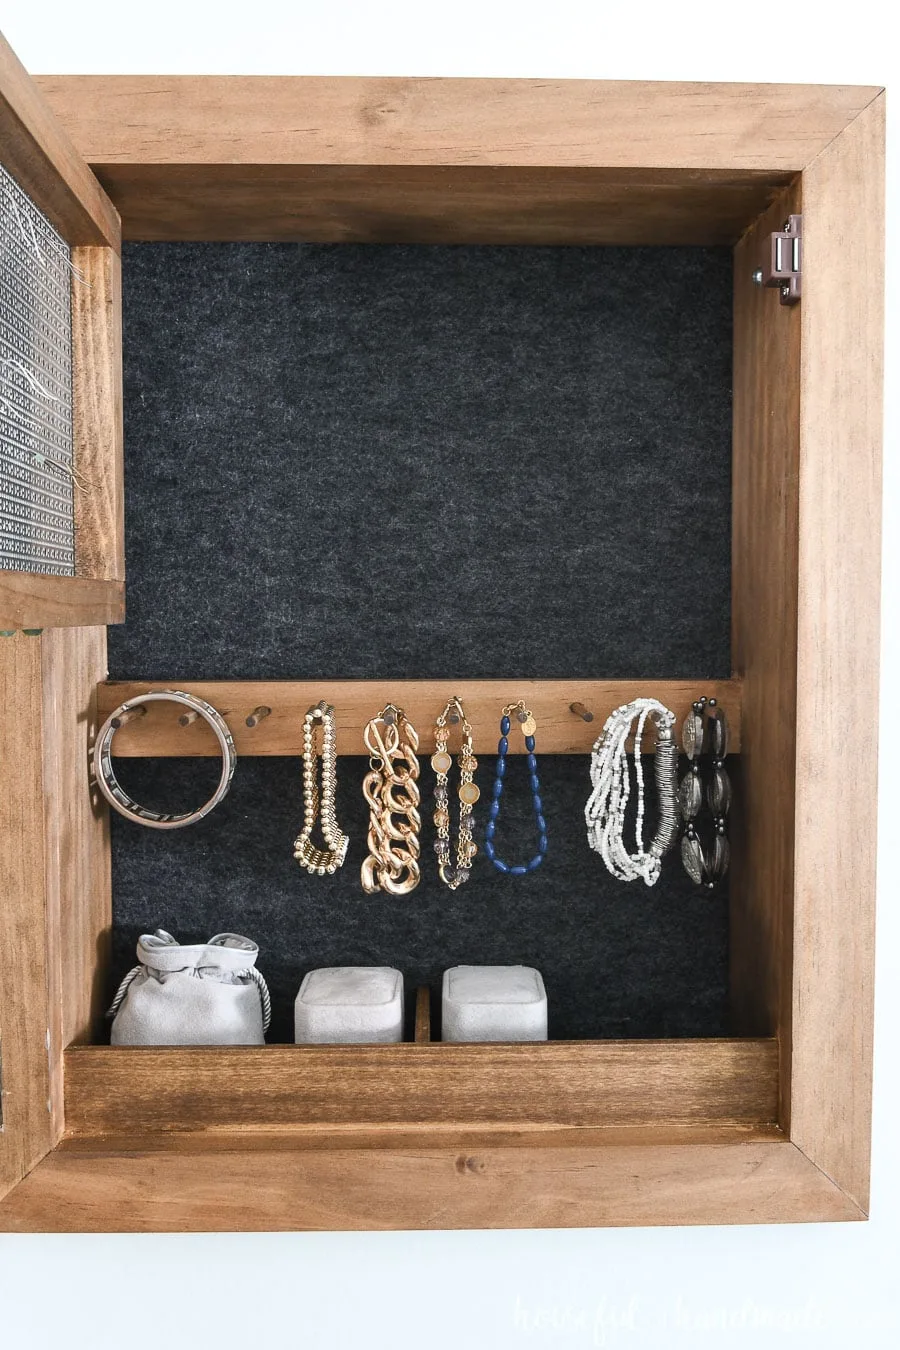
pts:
[37, 518]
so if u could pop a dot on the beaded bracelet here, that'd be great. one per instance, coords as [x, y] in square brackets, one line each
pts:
[528, 727]
[442, 762]
[605, 809]
[705, 733]
[329, 859]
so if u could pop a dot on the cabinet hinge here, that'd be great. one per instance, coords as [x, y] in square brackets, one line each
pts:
[783, 261]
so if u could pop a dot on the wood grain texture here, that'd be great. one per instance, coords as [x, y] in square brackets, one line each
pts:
[26, 1124]
[241, 120]
[440, 204]
[414, 1137]
[97, 398]
[36, 600]
[838, 652]
[116, 1089]
[55, 885]
[242, 1189]
[39, 155]
[559, 731]
[445, 160]
[79, 882]
[766, 450]
[422, 1029]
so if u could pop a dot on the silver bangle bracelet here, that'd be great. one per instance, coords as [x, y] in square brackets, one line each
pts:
[120, 801]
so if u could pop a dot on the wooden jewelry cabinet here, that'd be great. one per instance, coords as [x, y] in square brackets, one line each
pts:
[769, 1124]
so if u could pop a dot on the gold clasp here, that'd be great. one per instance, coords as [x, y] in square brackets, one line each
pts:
[511, 708]
[527, 723]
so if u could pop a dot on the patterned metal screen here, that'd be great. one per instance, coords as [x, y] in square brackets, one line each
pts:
[37, 518]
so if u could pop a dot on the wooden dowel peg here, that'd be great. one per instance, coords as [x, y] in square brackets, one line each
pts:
[187, 717]
[257, 715]
[581, 711]
[130, 715]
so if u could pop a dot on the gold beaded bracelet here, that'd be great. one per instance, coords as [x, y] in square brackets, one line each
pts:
[329, 859]
[442, 763]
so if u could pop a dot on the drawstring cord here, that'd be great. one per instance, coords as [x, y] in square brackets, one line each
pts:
[123, 990]
[264, 995]
[252, 973]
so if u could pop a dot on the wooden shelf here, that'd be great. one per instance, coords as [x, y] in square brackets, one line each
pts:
[559, 732]
[551, 1083]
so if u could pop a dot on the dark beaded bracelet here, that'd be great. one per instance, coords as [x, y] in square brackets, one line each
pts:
[705, 851]
[528, 727]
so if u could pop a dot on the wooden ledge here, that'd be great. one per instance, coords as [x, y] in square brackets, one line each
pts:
[559, 732]
[115, 1090]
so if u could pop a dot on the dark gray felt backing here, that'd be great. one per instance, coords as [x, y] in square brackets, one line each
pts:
[361, 461]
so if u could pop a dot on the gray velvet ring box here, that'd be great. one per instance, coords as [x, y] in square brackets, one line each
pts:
[493, 1003]
[349, 1005]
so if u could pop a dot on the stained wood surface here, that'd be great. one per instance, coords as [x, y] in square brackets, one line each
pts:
[39, 155]
[201, 120]
[766, 451]
[445, 160]
[97, 403]
[442, 204]
[55, 916]
[559, 731]
[26, 1132]
[79, 882]
[422, 1031]
[842, 320]
[36, 600]
[117, 1089]
[414, 1138]
[239, 1188]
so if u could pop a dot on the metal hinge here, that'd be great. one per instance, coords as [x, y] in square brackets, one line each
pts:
[783, 261]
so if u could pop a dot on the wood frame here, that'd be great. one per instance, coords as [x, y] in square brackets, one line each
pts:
[41, 157]
[785, 1135]
[441, 160]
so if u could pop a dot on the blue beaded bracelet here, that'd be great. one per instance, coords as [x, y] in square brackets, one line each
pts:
[528, 726]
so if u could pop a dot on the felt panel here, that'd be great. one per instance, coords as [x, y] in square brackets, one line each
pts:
[618, 960]
[361, 461]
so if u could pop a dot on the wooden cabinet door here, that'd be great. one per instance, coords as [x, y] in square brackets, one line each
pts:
[61, 571]
[61, 516]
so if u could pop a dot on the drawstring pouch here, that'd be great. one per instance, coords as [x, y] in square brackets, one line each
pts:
[206, 994]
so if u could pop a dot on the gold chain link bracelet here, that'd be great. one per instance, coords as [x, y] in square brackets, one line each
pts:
[391, 790]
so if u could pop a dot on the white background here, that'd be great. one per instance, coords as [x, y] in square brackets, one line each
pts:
[816, 1286]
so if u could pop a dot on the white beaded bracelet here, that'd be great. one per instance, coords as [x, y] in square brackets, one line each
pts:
[605, 810]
